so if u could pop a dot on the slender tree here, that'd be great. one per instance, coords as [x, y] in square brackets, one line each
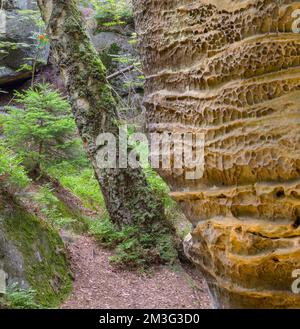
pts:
[129, 199]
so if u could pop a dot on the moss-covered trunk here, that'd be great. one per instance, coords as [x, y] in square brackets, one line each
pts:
[128, 197]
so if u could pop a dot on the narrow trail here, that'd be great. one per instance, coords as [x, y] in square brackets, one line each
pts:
[100, 285]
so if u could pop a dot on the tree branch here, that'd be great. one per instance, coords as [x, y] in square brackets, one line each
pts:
[116, 74]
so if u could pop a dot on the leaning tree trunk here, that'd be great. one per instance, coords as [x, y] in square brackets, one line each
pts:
[128, 198]
[230, 69]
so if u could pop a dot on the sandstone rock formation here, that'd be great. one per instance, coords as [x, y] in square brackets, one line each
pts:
[230, 69]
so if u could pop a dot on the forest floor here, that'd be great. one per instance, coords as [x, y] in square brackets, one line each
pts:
[98, 284]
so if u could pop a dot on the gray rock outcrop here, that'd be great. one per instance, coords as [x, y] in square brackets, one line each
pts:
[19, 41]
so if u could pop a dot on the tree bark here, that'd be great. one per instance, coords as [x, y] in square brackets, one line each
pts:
[128, 197]
[230, 69]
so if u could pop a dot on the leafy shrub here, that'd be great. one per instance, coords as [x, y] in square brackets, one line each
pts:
[17, 298]
[134, 246]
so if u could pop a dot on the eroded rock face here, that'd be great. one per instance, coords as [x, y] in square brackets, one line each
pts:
[230, 69]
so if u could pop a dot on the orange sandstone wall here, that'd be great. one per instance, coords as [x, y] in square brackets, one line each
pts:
[230, 69]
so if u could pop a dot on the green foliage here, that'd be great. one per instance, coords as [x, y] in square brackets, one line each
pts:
[81, 181]
[11, 169]
[59, 214]
[160, 188]
[56, 212]
[7, 46]
[49, 275]
[173, 212]
[24, 67]
[134, 246]
[106, 57]
[43, 130]
[111, 12]
[50, 207]
[156, 183]
[17, 298]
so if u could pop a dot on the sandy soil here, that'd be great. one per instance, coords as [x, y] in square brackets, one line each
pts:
[98, 284]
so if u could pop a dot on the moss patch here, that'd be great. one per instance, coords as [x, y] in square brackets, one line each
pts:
[46, 266]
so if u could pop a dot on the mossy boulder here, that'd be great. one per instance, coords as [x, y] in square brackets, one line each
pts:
[33, 255]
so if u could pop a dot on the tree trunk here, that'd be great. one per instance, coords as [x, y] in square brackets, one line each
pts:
[230, 69]
[128, 198]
